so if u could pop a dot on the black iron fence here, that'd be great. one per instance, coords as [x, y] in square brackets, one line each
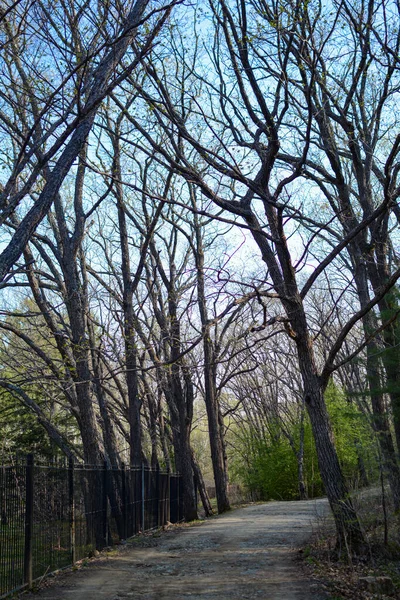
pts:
[52, 515]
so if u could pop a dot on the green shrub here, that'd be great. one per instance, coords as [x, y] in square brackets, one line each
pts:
[267, 465]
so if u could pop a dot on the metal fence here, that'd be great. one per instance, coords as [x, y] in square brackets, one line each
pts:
[52, 515]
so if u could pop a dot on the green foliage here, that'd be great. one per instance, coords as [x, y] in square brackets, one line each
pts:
[20, 431]
[268, 465]
[265, 466]
[353, 435]
[20, 428]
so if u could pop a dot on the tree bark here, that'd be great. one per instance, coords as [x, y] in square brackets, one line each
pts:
[131, 358]
[300, 459]
[380, 421]
[198, 475]
[214, 429]
[101, 85]
[210, 396]
[380, 424]
[349, 535]
[180, 402]
[75, 353]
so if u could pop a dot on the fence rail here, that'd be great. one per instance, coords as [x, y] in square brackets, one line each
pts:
[54, 515]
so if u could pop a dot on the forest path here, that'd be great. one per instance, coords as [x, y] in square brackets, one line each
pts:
[249, 553]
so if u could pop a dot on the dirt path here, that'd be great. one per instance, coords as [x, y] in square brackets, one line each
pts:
[248, 553]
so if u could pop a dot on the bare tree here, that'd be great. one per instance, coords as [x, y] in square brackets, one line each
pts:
[353, 161]
[249, 117]
[61, 106]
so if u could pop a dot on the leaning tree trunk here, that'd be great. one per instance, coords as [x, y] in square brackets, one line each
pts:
[350, 538]
[349, 534]
[198, 476]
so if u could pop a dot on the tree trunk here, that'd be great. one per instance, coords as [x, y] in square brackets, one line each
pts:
[300, 459]
[164, 446]
[135, 428]
[131, 358]
[380, 417]
[218, 455]
[74, 351]
[76, 307]
[350, 538]
[381, 426]
[214, 429]
[198, 476]
[389, 308]
[180, 425]
[349, 535]
[109, 437]
[391, 358]
[362, 471]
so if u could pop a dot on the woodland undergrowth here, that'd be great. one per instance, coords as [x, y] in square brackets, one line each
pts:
[337, 573]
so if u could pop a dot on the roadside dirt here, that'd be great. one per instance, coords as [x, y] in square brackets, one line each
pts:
[249, 553]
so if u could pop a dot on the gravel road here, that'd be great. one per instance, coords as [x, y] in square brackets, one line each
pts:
[249, 553]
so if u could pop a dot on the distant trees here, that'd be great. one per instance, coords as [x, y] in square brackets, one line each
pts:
[263, 449]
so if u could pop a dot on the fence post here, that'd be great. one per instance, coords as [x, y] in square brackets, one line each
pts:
[28, 520]
[105, 504]
[71, 502]
[143, 497]
[124, 500]
[158, 494]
